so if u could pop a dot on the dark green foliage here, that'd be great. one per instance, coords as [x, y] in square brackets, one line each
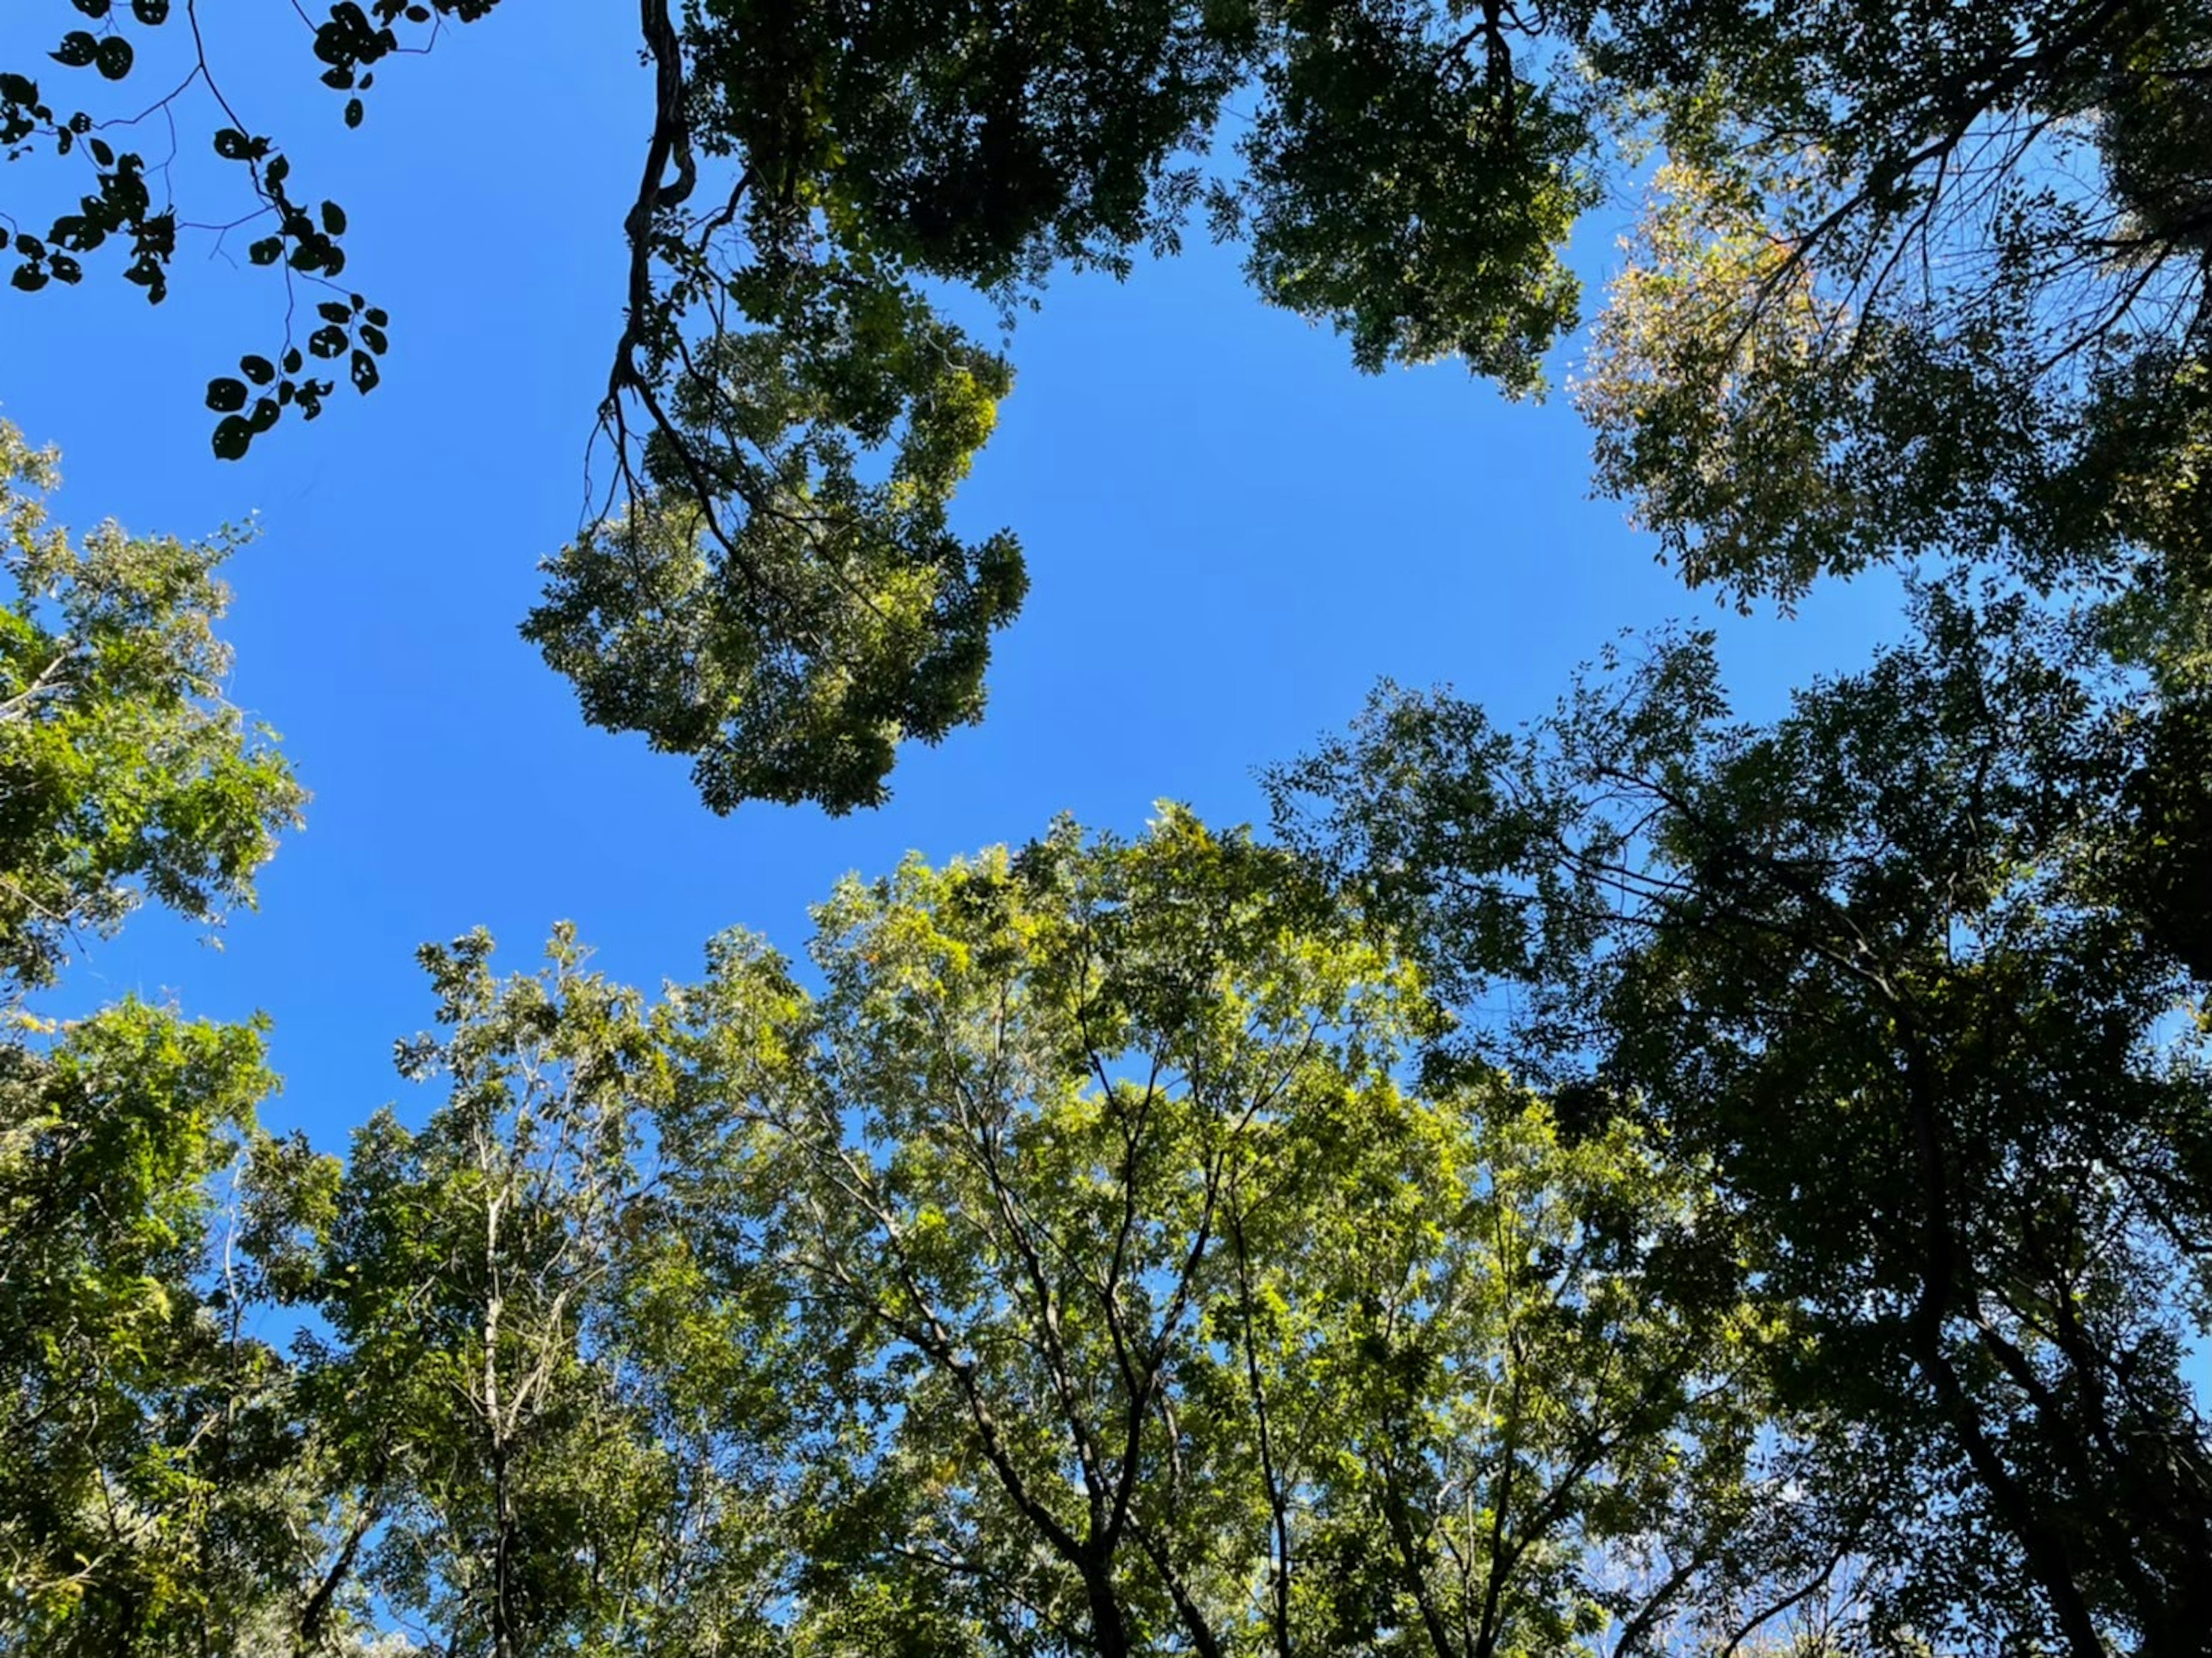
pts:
[2166, 876]
[791, 650]
[974, 140]
[1800, 1241]
[292, 232]
[1927, 279]
[1413, 183]
[743, 597]
[1883, 962]
[1918, 278]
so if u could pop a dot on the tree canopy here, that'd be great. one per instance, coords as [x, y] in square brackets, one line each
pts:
[1887, 962]
[146, 1497]
[123, 773]
[1649, 1182]
[1870, 232]
[1070, 1272]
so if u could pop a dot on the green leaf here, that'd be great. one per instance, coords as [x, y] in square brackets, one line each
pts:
[353, 111]
[259, 370]
[334, 219]
[226, 396]
[365, 372]
[152, 13]
[114, 58]
[78, 50]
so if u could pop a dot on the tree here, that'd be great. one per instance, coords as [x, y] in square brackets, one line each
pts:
[1885, 964]
[123, 772]
[510, 1340]
[1151, 1316]
[792, 654]
[151, 1494]
[147, 1502]
[1912, 280]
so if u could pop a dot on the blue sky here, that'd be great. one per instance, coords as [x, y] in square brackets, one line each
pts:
[1231, 534]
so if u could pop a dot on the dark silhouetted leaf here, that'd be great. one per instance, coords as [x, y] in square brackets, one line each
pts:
[234, 436]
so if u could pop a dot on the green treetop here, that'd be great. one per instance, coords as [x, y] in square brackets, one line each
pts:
[123, 772]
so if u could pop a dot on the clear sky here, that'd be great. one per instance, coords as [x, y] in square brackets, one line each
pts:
[1231, 535]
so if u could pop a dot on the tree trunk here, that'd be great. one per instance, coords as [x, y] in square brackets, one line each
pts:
[1109, 1630]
